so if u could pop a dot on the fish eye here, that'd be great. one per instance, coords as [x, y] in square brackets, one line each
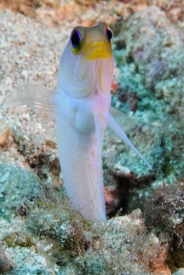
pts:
[109, 33]
[75, 38]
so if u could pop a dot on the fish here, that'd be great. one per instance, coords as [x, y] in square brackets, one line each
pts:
[80, 108]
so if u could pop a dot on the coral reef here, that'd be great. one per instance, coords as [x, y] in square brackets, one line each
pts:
[39, 231]
[150, 91]
[158, 58]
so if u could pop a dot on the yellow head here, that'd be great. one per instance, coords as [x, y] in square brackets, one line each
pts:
[87, 61]
[93, 43]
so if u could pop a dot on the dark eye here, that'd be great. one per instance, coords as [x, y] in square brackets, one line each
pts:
[75, 38]
[109, 34]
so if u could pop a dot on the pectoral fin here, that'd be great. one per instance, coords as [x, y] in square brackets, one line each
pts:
[40, 99]
[114, 125]
[126, 122]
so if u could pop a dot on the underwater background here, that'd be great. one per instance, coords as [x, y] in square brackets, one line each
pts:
[39, 231]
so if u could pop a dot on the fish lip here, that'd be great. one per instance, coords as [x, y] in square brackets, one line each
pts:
[97, 51]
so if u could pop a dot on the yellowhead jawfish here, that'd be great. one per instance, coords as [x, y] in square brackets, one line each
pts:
[81, 108]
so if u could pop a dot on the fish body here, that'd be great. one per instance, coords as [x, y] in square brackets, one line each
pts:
[81, 99]
[81, 108]
[79, 153]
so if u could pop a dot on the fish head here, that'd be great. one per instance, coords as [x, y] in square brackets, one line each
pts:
[87, 63]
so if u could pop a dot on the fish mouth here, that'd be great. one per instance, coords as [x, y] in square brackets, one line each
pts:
[96, 56]
[98, 50]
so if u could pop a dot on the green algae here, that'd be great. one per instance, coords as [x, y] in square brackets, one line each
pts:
[150, 73]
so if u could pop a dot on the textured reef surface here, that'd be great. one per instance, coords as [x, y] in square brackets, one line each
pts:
[39, 231]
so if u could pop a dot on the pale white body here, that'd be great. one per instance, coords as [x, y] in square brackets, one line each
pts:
[80, 151]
